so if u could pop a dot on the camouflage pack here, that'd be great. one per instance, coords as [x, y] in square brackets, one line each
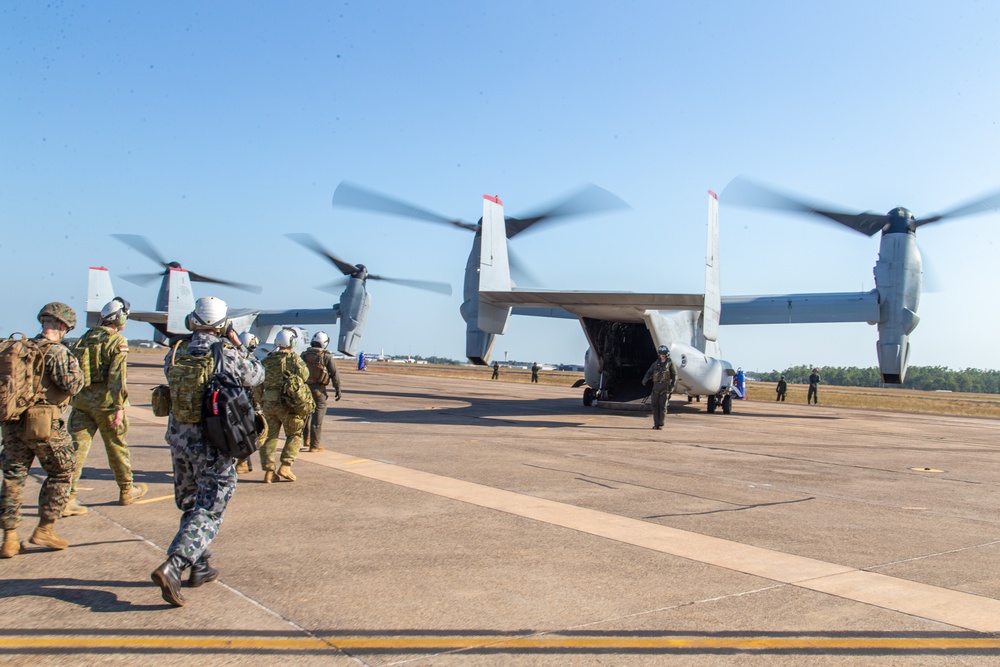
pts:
[93, 351]
[296, 395]
[187, 379]
[22, 366]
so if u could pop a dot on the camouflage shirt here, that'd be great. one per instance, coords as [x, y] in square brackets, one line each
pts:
[108, 354]
[63, 378]
[236, 368]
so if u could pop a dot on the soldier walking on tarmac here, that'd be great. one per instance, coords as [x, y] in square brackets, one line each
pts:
[813, 395]
[42, 433]
[534, 371]
[204, 477]
[662, 375]
[277, 413]
[100, 405]
[781, 389]
[322, 371]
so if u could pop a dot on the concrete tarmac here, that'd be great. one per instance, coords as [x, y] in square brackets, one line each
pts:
[470, 522]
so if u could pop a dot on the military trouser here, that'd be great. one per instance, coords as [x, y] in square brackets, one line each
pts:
[312, 433]
[204, 481]
[781, 396]
[658, 400]
[57, 457]
[813, 395]
[83, 424]
[293, 424]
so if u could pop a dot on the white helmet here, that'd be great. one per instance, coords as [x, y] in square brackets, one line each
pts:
[115, 312]
[285, 338]
[322, 339]
[209, 313]
[249, 341]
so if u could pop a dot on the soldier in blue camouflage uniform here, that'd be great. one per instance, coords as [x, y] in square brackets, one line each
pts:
[204, 479]
[57, 455]
[662, 375]
[101, 404]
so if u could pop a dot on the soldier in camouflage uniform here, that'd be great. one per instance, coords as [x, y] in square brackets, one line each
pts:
[322, 371]
[662, 375]
[103, 353]
[281, 359]
[61, 380]
[204, 479]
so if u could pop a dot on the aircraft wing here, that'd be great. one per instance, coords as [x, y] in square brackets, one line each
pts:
[617, 306]
[801, 308]
[298, 317]
[150, 316]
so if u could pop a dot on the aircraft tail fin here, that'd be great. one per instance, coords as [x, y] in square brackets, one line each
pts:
[494, 266]
[99, 292]
[180, 300]
[713, 290]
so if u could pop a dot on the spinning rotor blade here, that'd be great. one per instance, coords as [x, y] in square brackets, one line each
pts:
[742, 192]
[984, 204]
[142, 279]
[142, 245]
[335, 286]
[352, 196]
[586, 200]
[430, 286]
[309, 242]
[199, 278]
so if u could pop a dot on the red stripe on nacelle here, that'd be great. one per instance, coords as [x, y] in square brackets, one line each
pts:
[99, 268]
[495, 199]
[714, 196]
[174, 268]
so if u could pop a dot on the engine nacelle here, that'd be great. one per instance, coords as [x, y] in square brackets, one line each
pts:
[897, 279]
[354, 305]
[699, 374]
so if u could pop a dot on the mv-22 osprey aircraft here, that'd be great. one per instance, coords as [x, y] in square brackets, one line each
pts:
[176, 299]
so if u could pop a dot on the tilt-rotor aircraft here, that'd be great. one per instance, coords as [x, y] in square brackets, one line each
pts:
[176, 300]
[891, 306]
[478, 341]
[624, 329]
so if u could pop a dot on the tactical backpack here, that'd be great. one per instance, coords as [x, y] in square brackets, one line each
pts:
[187, 378]
[314, 359]
[230, 425]
[92, 353]
[293, 393]
[22, 366]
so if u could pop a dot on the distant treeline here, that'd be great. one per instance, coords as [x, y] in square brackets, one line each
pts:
[928, 378]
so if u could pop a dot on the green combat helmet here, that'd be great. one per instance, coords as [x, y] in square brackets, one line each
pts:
[58, 311]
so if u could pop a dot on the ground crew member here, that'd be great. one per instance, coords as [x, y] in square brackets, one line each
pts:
[322, 371]
[813, 395]
[61, 379]
[244, 466]
[204, 478]
[101, 404]
[662, 375]
[781, 389]
[534, 371]
[496, 370]
[281, 359]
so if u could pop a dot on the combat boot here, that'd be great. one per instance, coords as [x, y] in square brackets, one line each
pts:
[45, 536]
[11, 544]
[242, 468]
[168, 578]
[202, 572]
[268, 476]
[132, 493]
[74, 508]
[285, 472]
[317, 448]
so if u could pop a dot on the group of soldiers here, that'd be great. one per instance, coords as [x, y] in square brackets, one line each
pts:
[91, 377]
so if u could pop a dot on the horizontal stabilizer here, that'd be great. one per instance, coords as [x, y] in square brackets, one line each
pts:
[801, 308]
[299, 317]
[613, 306]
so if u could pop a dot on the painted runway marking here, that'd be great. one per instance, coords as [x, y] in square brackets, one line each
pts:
[153, 500]
[963, 610]
[530, 643]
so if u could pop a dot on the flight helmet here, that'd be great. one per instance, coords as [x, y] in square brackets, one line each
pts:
[115, 312]
[663, 350]
[321, 339]
[58, 311]
[285, 338]
[249, 341]
[209, 313]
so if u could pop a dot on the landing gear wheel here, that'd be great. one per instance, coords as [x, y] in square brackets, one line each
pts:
[712, 402]
[727, 404]
[588, 397]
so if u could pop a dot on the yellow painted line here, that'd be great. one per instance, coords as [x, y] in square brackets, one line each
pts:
[350, 463]
[153, 500]
[956, 608]
[494, 643]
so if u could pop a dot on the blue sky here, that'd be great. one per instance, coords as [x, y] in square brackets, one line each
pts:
[215, 128]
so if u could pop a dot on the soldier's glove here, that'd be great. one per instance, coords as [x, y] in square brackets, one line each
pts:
[336, 396]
